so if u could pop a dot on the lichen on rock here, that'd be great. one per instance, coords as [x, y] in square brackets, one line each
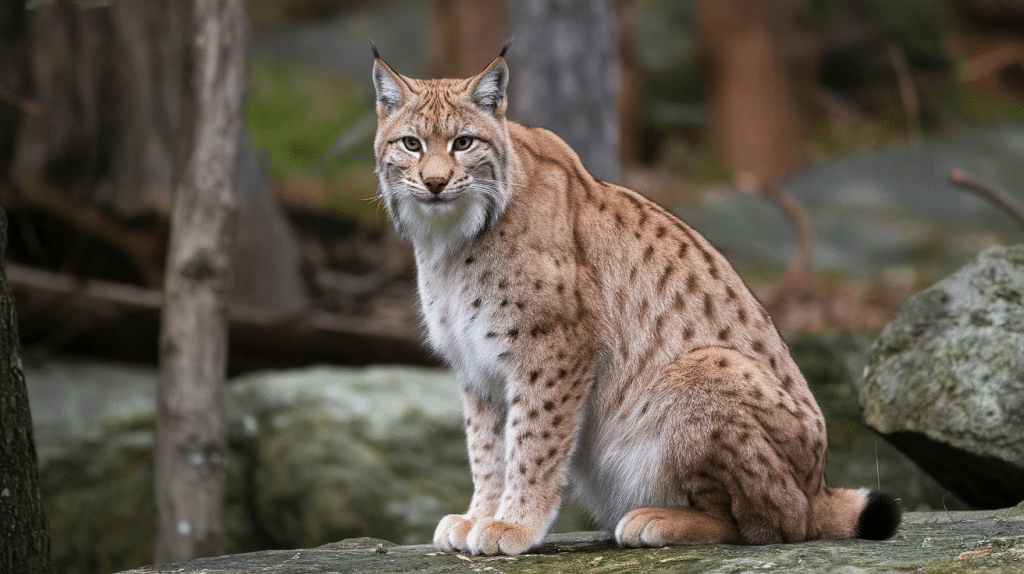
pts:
[945, 382]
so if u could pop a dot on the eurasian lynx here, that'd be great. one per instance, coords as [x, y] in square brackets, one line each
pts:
[598, 341]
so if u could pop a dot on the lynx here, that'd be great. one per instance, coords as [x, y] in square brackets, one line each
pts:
[598, 341]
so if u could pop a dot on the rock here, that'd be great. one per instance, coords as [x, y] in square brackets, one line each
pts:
[945, 383]
[989, 541]
[93, 426]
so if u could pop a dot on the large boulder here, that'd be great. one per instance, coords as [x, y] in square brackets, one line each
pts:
[945, 383]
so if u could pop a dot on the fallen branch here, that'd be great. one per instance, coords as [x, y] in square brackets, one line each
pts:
[59, 310]
[990, 191]
[991, 62]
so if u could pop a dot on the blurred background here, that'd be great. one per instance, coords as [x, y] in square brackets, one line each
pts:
[810, 140]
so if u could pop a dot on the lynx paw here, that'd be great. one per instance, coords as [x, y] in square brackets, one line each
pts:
[452, 531]
[491, 536]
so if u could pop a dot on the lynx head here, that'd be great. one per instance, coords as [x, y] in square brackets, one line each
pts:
[442, 150]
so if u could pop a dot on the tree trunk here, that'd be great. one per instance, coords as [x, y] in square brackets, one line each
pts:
[191, 449]
[761, 63]
[24, 538]
[465, 36]
[564, 71]
[633, 95]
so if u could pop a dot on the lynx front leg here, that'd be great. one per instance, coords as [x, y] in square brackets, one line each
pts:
[539, 433]
[485, 437]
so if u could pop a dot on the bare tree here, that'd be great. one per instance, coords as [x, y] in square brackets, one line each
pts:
[565, 75]
[24, 538]
[90, 101]
[191, 448]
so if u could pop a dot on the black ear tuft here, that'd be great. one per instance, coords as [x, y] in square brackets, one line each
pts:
[376, 54]
[880, 518]
[505, 47]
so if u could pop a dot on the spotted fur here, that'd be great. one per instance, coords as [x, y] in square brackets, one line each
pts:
[599, 342]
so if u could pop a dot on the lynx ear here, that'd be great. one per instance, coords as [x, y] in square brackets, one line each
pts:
[489, 87]
[391, 87]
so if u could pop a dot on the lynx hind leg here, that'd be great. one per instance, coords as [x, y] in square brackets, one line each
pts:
[656, 527]
[746, 455]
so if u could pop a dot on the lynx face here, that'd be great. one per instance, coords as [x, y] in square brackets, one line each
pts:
[440, 150]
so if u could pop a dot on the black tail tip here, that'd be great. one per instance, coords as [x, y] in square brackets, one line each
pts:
[880, 518]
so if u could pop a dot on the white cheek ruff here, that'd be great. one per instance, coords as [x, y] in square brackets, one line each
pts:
[461, 213]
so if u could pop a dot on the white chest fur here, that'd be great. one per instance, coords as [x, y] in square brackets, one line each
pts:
[458, 322]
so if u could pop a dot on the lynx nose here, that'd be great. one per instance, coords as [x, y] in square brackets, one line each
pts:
[435, 184]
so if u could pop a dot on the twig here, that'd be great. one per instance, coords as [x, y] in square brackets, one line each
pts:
[908, 93]
[990, 191]
[798, 274]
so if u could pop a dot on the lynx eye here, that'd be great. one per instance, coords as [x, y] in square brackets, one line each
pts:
[412, 144]
[462, 143]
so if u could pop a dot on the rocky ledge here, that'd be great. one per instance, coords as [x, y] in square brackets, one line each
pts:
[988, 541]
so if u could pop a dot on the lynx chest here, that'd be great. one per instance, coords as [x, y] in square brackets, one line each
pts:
[462, 322]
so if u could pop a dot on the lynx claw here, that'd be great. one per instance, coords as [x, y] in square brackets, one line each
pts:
[452, 531]
[491, 536]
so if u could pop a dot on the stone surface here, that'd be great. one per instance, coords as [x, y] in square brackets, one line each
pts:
[945, 382]
[335, 453]
[989, 541]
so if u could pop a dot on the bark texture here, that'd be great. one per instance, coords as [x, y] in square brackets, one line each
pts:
[191, 429]
[564, 69]
[24, 538]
